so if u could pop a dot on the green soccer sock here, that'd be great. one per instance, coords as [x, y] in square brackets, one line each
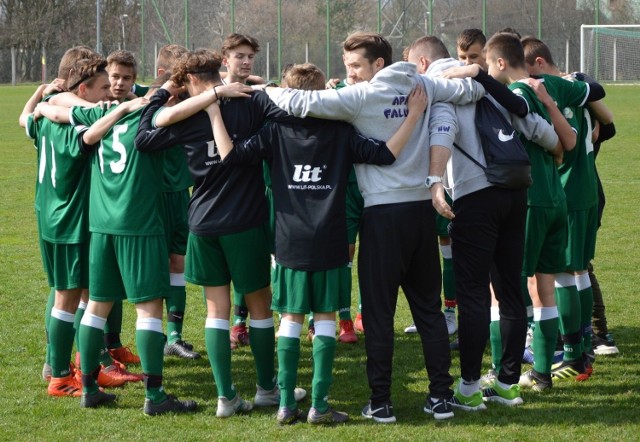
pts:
[176, 304]
[585, 292]
[82, 307]
[47, 317]
[113, 327]
[150, 344]
[495, 339]
[240, 310]
[448, 278]
[105, 357]
[216, 337]
[91, 341]
[263, 344]
[61, 333]
[545, 335]
[288, 359]
[324, 351]
[345, 314]
[569, 311]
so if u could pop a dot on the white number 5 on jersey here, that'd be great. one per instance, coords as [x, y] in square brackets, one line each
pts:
[117, 146]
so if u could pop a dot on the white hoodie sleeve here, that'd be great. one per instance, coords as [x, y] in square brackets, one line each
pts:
[456, 91]
[535, 128]
[342, 104]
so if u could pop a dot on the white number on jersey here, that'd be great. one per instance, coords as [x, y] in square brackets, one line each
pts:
[119, 165]
[43, 162]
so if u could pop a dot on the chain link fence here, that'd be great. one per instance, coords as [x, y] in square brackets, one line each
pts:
[34, 36]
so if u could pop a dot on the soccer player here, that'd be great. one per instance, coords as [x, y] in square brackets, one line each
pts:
[577, 173]
[546, 225]
[61, 207]
[227, 217]
[499, 214]
[67, 62]
[238, 57]
[175, 201]
[122, 68]
[311, 260]
[128, 250]
[422, 53]
[398, 246]
[602, 340]
[470, 47]
[355, 204]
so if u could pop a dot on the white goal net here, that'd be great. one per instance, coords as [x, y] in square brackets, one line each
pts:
[610, 52]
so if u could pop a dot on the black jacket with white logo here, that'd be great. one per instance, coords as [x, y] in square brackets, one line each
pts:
[225, 199]
[310, 160]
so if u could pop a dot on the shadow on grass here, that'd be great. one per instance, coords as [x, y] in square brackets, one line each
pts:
[606, 398]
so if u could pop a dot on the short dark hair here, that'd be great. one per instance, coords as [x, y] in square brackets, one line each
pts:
[234, 40]
[510, 30]
[202, 63]
[432, 48]
[534, 48]
[125, 58]
[306, 76]
[168, 55]
[72, 56]
[470, 36]
[508, 47]
[375, 46]
[85, 71]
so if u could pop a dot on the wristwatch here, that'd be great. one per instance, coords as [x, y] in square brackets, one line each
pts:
[431, 180]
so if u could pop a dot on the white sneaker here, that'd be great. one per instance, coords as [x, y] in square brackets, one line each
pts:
[227, 408]
[411, 329]
[452, 322]
[266, 398]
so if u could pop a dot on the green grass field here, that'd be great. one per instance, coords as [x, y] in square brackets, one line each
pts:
[606, 407]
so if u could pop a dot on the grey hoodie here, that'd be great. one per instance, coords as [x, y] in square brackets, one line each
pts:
[463, 176]
[377, 109]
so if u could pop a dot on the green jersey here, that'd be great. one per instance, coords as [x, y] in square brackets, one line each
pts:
[546, 189]
[578, 170]
[139, 90]
[126, 184]
[176, 170]
[62, 184]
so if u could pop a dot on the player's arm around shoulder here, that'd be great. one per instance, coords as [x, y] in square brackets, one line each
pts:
[100, 128]
[456, 85]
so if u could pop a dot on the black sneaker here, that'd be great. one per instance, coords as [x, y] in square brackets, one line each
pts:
[535, 381]
[569, 370]
[181, 349]
[187, 345]
[96, 399]
[330, 416]
[440, 408]
[285, 416]
[170, 405]
[382, 414]
[604, 345]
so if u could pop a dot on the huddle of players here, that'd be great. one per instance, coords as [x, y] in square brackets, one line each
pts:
[115, 126]
[559, 284]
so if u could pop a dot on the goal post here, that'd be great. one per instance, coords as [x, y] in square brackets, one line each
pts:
[610, 52]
